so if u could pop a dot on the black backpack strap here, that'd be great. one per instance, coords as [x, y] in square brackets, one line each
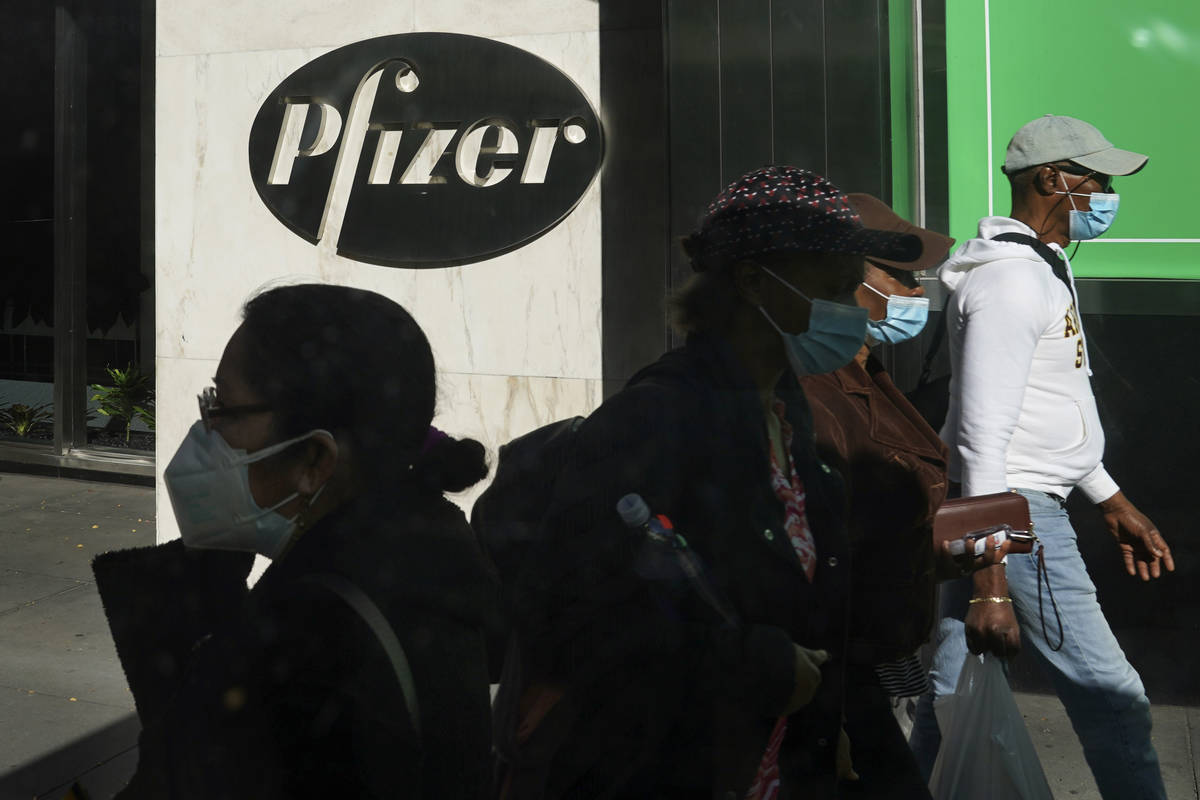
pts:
[1047, 254]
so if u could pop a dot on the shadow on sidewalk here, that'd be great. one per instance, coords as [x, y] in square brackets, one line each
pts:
[102, 762]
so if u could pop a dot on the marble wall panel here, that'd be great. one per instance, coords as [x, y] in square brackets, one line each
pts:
[189, 27]
[496, 19]
[496, 409]
[535, 311]
[517, 338]
[215, 242]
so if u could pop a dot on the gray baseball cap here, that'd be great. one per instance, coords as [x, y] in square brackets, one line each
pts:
[1052, 138]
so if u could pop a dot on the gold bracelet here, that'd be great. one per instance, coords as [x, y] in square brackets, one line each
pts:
[992, 599]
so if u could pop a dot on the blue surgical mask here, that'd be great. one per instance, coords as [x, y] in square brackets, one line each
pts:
[906, 317]
[1083, 225]
[835, 334]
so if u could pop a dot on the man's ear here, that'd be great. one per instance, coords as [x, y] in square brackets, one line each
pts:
[1046, 181]
[748, 280]
[318, 463]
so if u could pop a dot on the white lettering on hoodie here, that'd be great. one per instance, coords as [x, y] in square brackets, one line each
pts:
[1022, 414]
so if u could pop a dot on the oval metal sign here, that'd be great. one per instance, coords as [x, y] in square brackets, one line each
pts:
[425, 149]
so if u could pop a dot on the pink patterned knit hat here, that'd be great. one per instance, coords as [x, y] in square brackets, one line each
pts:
[780, 209]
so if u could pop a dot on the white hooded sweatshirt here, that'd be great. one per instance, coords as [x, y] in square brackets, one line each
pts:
[1022, 414]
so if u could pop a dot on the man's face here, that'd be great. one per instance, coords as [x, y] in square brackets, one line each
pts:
[1078, 183]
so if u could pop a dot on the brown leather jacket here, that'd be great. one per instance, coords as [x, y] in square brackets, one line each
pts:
[896, 468]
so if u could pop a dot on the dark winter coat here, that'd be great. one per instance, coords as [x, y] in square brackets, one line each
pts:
[284, 691]
[665, 699]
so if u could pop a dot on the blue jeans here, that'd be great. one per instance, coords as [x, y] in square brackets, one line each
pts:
[1101, 692]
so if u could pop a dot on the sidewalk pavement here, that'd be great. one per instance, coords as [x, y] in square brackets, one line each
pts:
[65, 709]
[66, 713]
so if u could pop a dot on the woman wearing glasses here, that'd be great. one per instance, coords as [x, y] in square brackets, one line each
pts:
[356, 665]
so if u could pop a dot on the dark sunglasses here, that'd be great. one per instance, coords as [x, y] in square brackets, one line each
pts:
[1071, 168]
[210, 409]
[906, 278]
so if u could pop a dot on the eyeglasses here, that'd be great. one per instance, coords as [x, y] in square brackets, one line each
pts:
[1071, 168]
[210, 409]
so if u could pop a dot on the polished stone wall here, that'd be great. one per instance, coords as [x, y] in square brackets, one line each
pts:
[517, 338]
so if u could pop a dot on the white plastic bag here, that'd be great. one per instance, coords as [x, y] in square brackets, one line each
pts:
[986, 752]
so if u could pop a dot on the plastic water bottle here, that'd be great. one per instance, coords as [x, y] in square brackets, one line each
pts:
[667, 545]
[636, 514]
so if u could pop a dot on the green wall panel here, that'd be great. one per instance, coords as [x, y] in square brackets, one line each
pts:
[1131, 69]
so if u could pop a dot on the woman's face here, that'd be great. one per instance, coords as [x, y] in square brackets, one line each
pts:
[273, 478]
[885, 283]
[821, 276]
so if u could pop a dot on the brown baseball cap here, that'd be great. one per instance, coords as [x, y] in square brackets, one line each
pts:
[876, 214]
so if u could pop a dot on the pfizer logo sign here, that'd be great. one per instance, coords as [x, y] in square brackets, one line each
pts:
[424, 149]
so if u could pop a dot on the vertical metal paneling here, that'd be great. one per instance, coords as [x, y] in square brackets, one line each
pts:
[744, 31]
[634, 194]
[857, 119]
[747, 82]
[146, 324]
[693, 82]
[70, 233]
[937, 172]
[798, 84]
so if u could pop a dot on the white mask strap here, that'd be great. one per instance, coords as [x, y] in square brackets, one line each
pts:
[876, 291]
[773, 325]
[279, 447]
[309, 505]
[1070, 195]
[785, 283]
[282, 503]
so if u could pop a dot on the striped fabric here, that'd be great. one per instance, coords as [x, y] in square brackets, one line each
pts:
[904, 677]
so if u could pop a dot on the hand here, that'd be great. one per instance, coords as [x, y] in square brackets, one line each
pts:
[1142, 546]
[956, 566]
[845, 764]
[808, 677]
[992, 628]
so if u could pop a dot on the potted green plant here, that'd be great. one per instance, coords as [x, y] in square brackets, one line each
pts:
[146, 413]
[24, 420]
[130, 396]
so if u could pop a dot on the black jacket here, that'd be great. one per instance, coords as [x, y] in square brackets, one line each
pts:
[284, 691]
[667, 699]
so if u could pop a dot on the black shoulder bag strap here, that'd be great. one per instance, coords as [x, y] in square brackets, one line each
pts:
[1057, 265]
[935, 345]
[377, 622]
[1053, 259]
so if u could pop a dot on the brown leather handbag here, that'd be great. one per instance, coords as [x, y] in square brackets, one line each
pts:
[965, 515]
